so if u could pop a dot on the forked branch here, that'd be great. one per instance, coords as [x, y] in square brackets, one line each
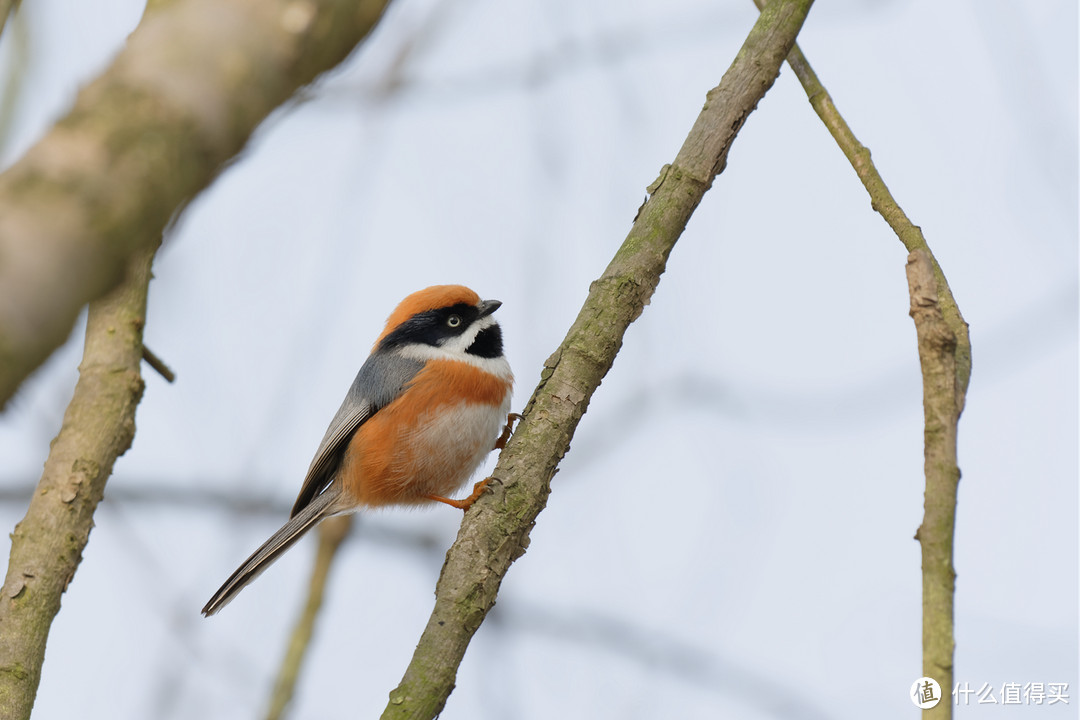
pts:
[945, 359]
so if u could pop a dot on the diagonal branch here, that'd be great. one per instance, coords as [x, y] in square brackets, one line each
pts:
[332, 533]
[882, 201]
[47, 545]
[496, 531]
[945, 360]
[180, 100]
[7, 9]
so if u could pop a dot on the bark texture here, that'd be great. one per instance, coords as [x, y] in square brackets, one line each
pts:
[941, 411]
[47, 544]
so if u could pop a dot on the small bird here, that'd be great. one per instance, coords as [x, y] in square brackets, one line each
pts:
[424, 411]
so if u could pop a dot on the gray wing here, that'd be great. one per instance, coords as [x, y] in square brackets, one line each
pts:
[379, 382]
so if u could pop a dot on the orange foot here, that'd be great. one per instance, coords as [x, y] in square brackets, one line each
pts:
[465, 504]
[508, 430]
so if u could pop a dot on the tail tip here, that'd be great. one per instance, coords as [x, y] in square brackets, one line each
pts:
[215, 603]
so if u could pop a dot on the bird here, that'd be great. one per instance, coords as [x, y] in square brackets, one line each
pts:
[427, 406]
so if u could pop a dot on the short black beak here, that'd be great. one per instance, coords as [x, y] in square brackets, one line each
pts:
[486, 307]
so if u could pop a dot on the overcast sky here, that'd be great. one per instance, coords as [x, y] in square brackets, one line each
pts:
[731, 533]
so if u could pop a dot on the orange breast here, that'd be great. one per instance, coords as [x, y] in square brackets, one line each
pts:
[429, 440]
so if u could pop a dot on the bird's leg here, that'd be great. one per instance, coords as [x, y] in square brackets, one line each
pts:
[508, 430]
[466, 503]
[480, 487]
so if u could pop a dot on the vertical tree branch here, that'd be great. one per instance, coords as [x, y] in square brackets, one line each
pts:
[937, 358]
[47, 544]
[332, 533]
[945, 360]
[495, 531]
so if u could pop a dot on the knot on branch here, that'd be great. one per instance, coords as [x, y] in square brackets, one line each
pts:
[699, 182]
[925, 305]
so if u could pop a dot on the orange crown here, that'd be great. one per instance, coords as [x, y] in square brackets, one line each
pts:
[431, 298]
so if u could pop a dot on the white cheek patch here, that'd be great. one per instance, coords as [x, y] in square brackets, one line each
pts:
[455, 349]
[464, 341]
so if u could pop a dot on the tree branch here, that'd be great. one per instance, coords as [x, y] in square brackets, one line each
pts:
[179, 101]
[495, 531]
[98, 427]
[941, 411]
[7, 9]
[882, 201]
[945, 359]
[332, 533]
[158, 365]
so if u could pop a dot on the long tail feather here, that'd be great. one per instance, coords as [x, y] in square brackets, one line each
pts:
[321, 506]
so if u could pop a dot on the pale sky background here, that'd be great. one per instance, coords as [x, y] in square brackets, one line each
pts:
[731, 533]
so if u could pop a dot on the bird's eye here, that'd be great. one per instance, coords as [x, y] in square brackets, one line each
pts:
[453, 321]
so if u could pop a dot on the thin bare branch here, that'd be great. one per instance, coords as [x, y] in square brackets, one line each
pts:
[945, 358]
[883, 202]
[332, 533]
[158, 365]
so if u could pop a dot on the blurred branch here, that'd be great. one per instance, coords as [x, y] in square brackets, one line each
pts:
[158, 365]
[16, 70]
[98, 427]
[495, 531]
[234, 503]
[657, 650]
[178, 102]
[945, 359]
[566, 57]
[7, 9]
[331, 534]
